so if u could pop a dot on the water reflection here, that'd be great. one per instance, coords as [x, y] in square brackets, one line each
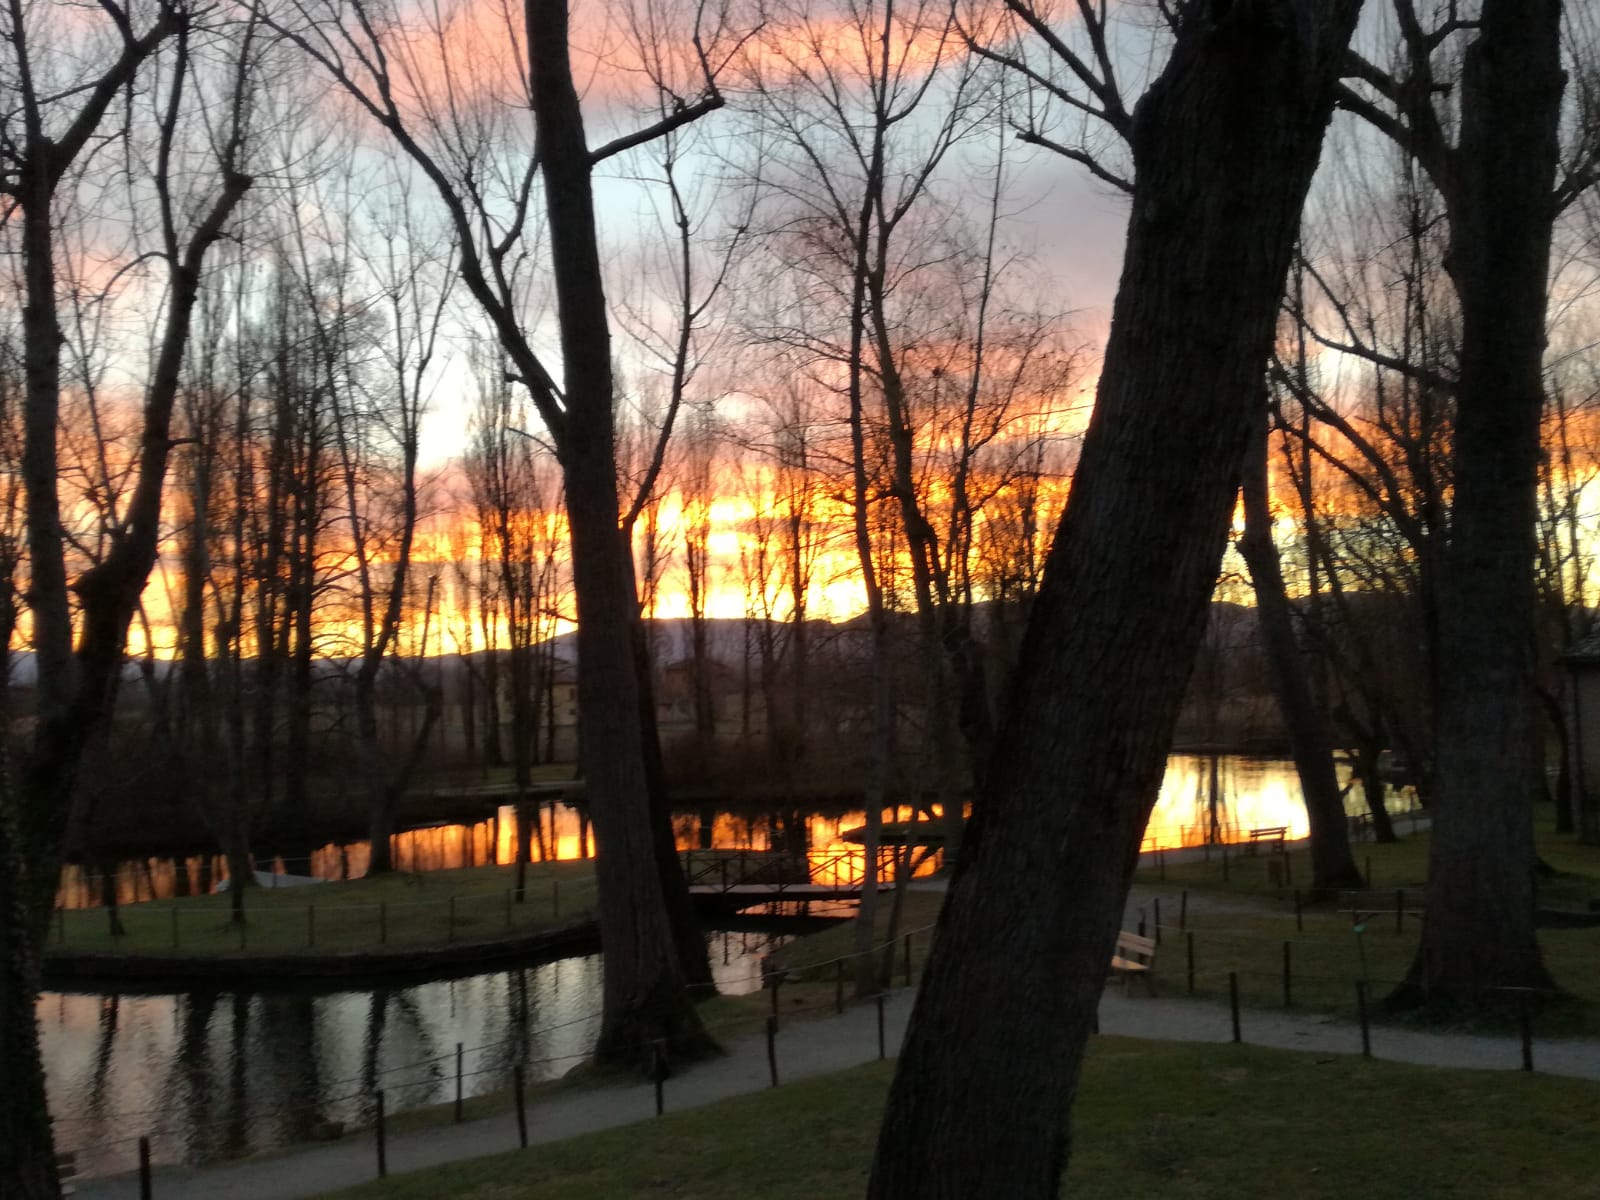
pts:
[212, 1075]
[1216, 798]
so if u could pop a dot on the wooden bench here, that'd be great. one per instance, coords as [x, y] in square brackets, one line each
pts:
[1135, 957]
[1373, 903]
[1272, 836]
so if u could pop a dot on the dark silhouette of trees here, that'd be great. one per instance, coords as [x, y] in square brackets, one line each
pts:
[1222, 147]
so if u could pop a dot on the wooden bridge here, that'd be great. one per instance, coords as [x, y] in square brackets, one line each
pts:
[742, 878]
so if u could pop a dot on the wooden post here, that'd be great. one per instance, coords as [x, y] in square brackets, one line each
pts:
[1141, 923]
[1183, 909]
[383, 1157]
[1361, 1015]
[1233, 1003]
[1156, 904]
[772, 1049]
[660, 1073]
[522, 1103]
[777, 982]
[1189, 955]
[458, 1083]
[1287, 1000]
[144, 1169]
[881, 1048]
[1525, 1027]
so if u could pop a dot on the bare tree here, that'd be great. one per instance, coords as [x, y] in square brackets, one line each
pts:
[57, 108]
[1222, 155]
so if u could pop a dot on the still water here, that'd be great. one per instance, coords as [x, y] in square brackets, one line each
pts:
[217, 1074]
[1202, 799]
[208, 1075]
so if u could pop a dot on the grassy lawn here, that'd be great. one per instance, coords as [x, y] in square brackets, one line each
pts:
[1180, 1122]
[399, 909]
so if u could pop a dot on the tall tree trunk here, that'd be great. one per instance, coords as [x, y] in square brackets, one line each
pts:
[1478, 935]
[1224, 146]
[1332, 865]
[646, 1000]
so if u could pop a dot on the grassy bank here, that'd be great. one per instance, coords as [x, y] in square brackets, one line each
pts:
[1181, 1122]
[1327, 951]
[431, 908]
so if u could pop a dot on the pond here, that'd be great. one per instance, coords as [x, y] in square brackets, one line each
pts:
[208, 1075]
[213, 1074]
[1203, 798]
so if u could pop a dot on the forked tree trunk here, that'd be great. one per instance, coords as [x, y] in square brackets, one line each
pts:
[1224, 146]
[1478, 935]
[1332, 865]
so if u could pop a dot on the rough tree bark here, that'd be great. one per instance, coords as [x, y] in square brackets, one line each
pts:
[1499, 185]
[1224, 146]
[1332, 865]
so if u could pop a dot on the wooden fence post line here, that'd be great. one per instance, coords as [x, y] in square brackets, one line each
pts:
[458, 1083]
[1361, 1015]
[772, 1049]
[522, 1104]
[383, 1157]
[1233, 1003]
[1183, 909]
[144, 1169]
